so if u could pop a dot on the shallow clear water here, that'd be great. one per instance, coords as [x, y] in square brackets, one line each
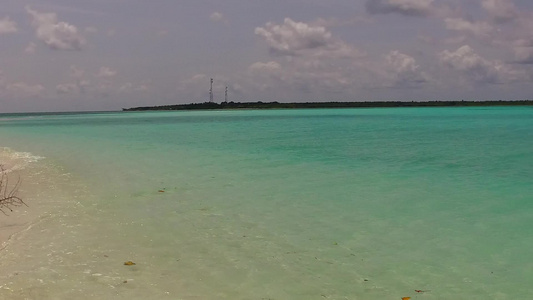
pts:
[278, 204]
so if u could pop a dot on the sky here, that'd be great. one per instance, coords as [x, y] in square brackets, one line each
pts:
[78, 55]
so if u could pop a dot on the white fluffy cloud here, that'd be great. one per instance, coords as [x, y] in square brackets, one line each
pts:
[500, 10]
[480, 30]
[405, 71]
[56, 34]
[301, 39]
[471, 67]
[106, 72]
[504, 27]
[7, 26]
[290, 38]
[309, 59]
[403, 7]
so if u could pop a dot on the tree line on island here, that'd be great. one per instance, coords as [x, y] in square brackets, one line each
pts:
[302, 105]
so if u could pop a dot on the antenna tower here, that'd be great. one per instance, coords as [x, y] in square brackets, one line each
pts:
[226, 95]
[211, 91]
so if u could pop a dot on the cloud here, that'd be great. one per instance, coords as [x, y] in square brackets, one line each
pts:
[216, 17]
[197, 78]
[269, 66]
[81, 83]
[55, 34]
[404, 70]
[19, 89]
[500, 10]
[7, 26]
[67, 88]
[523, 55]
[76, 72]
[474, 68]
[22, 89]
[505, 28]
[129, 87]
[30, 49]
[308, 60]
[311, 78]
[104, 84]
[81, 86]
[106, 72]
[297, 38]
[481, 30]
[416, 8]
[520, 40]
[292, 37]
[270, 74]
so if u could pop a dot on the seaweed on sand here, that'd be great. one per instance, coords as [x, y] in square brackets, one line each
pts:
[8, 195]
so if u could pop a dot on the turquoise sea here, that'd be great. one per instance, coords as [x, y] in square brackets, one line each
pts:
[385, 203]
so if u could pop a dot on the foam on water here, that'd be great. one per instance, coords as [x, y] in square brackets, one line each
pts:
[321, 204]
[13, 160]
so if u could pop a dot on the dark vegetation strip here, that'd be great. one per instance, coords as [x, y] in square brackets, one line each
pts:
[368, 104]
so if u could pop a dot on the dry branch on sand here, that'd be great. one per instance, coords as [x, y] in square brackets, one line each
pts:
[8, 196]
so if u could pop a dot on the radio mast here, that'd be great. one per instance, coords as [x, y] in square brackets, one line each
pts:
[226, 95]
[211, 91]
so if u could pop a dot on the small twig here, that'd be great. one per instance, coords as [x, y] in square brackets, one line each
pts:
[8, 196]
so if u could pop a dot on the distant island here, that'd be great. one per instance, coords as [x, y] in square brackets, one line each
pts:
[301, 105]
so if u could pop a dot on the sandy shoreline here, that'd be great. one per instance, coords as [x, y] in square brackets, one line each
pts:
[9, 228]
[7, 232]
[19, 220]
